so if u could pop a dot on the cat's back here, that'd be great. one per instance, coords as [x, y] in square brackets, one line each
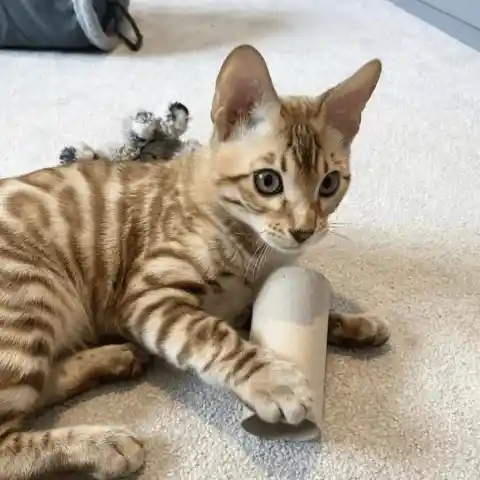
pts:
[70, 233]
[72, 218]
[52, 200]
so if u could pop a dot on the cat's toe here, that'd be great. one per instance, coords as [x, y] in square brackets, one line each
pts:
[114, 453]
[355, 330]
[279, 392]
[381, 331]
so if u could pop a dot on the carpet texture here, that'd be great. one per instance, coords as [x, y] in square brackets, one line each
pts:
[411, 222]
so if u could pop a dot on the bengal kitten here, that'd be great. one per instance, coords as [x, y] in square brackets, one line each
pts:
[165, 255]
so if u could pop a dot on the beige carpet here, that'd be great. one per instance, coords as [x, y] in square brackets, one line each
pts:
[412, 222]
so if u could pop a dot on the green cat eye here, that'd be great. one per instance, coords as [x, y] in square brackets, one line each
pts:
[268, 182]
[329, 185]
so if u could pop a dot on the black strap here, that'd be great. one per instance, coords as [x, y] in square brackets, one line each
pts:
[135, 45]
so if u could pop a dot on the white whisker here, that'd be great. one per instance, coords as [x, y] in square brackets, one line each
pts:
[251, 262]
[339, 224]
[332, 232]
[261, 261]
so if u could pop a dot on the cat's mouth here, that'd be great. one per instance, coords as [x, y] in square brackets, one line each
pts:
[284, 246]
[278, 245]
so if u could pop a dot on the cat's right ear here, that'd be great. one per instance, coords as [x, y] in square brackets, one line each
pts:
[243, 83]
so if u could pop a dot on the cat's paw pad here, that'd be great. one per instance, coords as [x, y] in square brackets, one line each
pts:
[352, 329]
[279, 392]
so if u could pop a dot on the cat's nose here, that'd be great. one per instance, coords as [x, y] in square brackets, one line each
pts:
[301, 235]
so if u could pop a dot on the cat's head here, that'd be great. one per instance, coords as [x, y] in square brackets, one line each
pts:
[282, 163]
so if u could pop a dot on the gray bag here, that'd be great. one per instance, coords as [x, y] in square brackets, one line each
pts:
[67, 24]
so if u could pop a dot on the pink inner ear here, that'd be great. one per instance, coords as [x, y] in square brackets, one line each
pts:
[344, 113]
[236, 106]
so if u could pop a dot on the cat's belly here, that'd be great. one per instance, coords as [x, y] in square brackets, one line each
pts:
[228, 299]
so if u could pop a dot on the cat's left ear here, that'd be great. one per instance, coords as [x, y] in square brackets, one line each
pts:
[243, 83]
[345, 103]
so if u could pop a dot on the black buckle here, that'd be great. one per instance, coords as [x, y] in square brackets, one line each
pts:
[135, 45]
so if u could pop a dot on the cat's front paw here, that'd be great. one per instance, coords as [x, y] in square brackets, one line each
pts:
[279, 392]
[357, 329]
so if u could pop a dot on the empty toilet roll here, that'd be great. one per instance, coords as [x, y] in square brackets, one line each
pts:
[290, 317]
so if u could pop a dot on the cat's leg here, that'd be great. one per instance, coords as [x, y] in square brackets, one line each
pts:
[106, 452]
[84, 370]
[356, 330]
[103, 451]
[344, 329]
[29, 327]
[170, 323]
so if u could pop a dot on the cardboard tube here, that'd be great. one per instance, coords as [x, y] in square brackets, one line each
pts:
[290, 318]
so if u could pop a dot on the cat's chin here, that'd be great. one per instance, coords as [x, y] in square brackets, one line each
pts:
[289, 251]
[292, 250]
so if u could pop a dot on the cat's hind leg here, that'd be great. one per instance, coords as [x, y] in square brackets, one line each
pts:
[28, 331]
[103, 451]
[84, 370]
[356, 330]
